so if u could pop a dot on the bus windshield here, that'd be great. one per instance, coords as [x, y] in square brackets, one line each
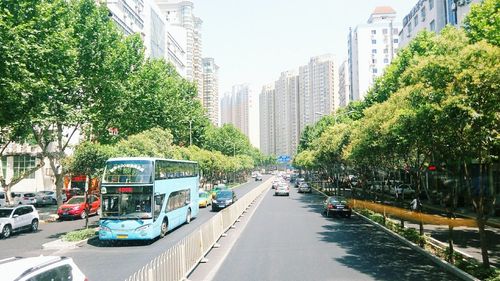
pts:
[127, 206]
[128, 171]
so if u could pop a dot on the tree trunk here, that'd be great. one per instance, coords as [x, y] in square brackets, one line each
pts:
[483, 240]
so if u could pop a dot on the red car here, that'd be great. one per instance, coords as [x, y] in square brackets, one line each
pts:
[75, 207]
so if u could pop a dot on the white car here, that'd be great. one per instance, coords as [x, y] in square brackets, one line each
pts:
[48, 197]
[24, 198]
[282, 189]
[24, 217]
[40, 268]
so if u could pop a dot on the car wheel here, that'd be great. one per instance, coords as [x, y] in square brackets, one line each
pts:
[34, 225]
[188, 216]
[6, 231]
[164, 228]
[83, 215]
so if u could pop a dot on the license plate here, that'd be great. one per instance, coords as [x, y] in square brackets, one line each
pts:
[222, 206]
[346, 209]
[65, 213]
[122, 236]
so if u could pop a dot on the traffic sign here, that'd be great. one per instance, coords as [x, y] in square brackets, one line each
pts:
[284, 158]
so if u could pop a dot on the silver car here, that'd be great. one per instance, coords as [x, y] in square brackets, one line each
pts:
[304, 188]
[282, 189]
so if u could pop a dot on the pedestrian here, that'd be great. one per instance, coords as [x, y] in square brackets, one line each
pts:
[415, 204]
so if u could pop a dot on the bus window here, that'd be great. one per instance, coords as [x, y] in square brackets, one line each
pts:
[158, 204]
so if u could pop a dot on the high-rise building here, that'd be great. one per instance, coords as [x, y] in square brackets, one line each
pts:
[267, 120]
[211, 89]
[179, 13]
[433, 15]
[286, 112]
[371, 47]
[235, 108]
[318, 87]
[344, 85]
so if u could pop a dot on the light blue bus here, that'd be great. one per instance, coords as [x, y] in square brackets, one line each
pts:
[143, 198]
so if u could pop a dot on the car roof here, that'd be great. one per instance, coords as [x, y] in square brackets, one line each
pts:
[15, 267]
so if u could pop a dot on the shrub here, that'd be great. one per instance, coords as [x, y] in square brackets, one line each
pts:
[79, 235]
[377, 218]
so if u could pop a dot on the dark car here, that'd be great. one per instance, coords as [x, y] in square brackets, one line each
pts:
[304, 188]
[223, 199]
[298, 181]
[336, 205]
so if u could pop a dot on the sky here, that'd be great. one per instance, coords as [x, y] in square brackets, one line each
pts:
[253, 41]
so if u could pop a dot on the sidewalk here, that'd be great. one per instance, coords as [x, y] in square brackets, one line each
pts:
[492, 221]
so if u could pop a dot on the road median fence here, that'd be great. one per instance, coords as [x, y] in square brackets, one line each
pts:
[177, 262]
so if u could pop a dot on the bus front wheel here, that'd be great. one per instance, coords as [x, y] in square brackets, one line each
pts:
[188, 216]
[164, 228]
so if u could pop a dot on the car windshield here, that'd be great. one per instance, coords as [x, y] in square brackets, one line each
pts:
[127, 205]
[224, 195]
[76, 200]
[5, 213]
[129, 171]
[338, 200]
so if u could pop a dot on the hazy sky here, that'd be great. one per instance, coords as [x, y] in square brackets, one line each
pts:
[253, 41]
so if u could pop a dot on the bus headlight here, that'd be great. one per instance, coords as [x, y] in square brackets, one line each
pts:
[104, 228]
[142, 228]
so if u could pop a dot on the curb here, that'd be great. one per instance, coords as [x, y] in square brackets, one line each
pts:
[447, 266]
[59, 244]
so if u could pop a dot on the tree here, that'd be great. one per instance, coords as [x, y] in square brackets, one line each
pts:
[483, 22]
[228, 140]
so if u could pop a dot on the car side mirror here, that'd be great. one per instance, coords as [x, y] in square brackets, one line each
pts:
[15, 216]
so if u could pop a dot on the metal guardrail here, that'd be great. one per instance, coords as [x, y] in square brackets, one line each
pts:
[177, 262]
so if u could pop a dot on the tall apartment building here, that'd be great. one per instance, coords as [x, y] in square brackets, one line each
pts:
[286, 113]
[433, 15]
[371, 47]
[211, 90]
[344, 85]
[318, 88]
[235, 108]
[267, 120]
[179, 13]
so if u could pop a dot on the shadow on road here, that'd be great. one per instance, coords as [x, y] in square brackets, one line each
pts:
[129, 243]
[370, 250]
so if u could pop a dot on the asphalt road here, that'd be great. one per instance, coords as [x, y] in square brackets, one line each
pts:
[102, 261]
[27, 244]
[288, 239]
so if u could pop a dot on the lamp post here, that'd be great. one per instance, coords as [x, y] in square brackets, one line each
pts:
[190, 132]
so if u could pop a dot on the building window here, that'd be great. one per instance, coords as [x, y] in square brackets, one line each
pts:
[374, 41]
[386, 60]
[374, 51]
[374, 31]
[374, 61]
[415, 20]
[386, 51]
[431, 4]
[374, 71]
[384, 31]
[432, 25]
[422, 13]
[395, 31]
[23, 163]
[396, 40]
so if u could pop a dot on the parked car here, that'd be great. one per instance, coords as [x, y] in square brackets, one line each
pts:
[402, 189]
[223, 199]
[258, 177]
[3, 200]
[40, 268]
[18, 218]
[304, 188]
[336, 205]
[205, 199]
[75, 207]
[282, 189]
[298, 181]
[23, 198]
[48, 197]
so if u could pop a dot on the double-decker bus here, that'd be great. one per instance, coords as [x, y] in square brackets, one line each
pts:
[143, 198]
